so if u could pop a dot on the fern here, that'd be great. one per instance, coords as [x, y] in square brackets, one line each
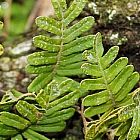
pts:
[109, 86]
[45, 112]
[129, 117]
[123, 120]
[52, 95]
[62, 52]
[112, 81]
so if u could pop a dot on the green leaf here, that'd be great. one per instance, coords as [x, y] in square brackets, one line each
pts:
[2, 138]
[69, 72]
[73, 11]
[54, 127]
[70, 67]
[109, 57]
[58, 116]
[122, 137]
[16, 93]
[128, 86]
[78, 45]
[95, 110]
[13, 120]
[68, 85]
[40, 58]
[91, 69]
[90, 133]
[98, 46]
[64, 102]
[39, 69]
[49, 24]
[12, 96]
[74, 58]
[60, 87]
[123, 128]
[60, 7]
[28, 111]
[90, 56]
[126, 113]
[96, 99]
[116, 84]
[17, 137]
[134, 129]
[7, 130]
[42, 99]
[32, 135]
[47, 43]
[40, 82]
[114, 70]
[92, 84]
[78, 28]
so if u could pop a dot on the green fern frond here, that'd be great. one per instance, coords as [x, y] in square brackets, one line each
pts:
[12, 97]
[62, 52]
[129, 118]
[111, 82]
[96, 129]
[46, 112]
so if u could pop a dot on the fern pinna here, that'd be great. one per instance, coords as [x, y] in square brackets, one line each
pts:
[40, 113]
[128, 116]
[109, 86]
[62, 52]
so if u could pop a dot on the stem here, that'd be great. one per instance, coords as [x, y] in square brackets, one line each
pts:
[61, 47]
[83, 118]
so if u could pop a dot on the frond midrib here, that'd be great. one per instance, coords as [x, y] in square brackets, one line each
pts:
[105, 80]
[61, 46]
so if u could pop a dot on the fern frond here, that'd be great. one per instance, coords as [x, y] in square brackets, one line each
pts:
[62, 52]
[112, 81]
[46, 112]
[61, 98]
[11, 98]
[124, 120]
[129, 118]
[98, 128]
[9, 119]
